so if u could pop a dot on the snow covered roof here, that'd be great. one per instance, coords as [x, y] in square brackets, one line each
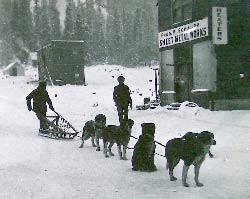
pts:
[70, 41]
[199, 90]
[10, 66]
[67, 41]
[17, 63]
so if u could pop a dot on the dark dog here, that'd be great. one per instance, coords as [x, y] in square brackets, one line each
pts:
[100, 125]
[88, 132]
[192, 149]
[119, 135]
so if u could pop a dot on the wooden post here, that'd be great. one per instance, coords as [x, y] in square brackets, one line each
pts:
[156, 81]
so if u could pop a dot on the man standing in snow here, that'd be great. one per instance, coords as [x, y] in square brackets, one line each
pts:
[121, 96]
[40, 97]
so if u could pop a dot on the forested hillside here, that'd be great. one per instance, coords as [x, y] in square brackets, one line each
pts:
[114, 31]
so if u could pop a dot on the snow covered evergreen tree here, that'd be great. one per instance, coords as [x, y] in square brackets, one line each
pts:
[6, 50]
[90, 13]
[25, 23]
[98, 35]
[115, 31]
[117, 36]
[127, 40]
[81, 30]
[21, 29]
[36, 25]
[148, 44]
[54, 20]
[69, 23]
[114, 35]
[45, 27]
[80, 22]
[15, 27]
[137, 36]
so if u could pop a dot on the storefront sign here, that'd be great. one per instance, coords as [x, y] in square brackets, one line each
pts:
[219, 25]
[188, 32]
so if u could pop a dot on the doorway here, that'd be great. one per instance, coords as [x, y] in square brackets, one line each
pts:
[14, 71]
[183, 72]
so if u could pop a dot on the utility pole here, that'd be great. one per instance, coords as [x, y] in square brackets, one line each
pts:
[156, 82]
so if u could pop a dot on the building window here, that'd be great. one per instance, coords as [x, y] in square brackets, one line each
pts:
[182, 10]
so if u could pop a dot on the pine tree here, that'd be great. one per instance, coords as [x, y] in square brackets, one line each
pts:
[21, 29]
[54, 20]
[98, 35]
[6, 50]
[69, 24]
[117, 40]
[80, 22]
[127, 44]
[137, 36]
[37, 25]
[113, 34]
[45, 27]
[14, 27]
[143, 43]
[90, 13]
[109, 37]
[81, 30]
[150, 37]
[25, 23]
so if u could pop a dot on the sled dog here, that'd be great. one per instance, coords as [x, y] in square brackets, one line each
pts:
[88, 132]
[192, 149]
[100, 125]
[119, 135]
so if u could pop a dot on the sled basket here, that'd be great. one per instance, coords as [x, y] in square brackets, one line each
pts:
[58, 128]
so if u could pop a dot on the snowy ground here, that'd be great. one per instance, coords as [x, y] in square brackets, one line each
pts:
[36, 167]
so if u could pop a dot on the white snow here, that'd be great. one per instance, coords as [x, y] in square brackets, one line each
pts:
[36, 167]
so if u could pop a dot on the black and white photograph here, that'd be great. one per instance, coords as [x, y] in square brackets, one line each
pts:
[124, 99]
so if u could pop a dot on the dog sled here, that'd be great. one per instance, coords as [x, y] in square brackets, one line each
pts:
[58, 128]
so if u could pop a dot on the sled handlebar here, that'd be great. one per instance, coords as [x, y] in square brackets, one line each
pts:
[65, 120]
[56, 112]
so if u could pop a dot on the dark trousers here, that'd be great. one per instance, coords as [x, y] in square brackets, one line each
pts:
[122, 113]
[41, 115]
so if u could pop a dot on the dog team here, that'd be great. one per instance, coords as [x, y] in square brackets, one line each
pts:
[191, 148]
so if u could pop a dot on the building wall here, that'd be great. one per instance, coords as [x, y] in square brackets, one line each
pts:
[167, 77]
[233, 58]
[204, 66]
[204, 73]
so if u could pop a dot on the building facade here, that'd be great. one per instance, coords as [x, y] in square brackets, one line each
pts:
[205, 52]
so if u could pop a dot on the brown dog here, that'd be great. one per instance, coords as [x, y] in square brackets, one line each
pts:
[88, 132]
[119, 135]
[192, 149]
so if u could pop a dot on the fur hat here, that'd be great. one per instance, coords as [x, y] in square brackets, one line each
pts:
[148, 128]
[42, 83]
[120, 78]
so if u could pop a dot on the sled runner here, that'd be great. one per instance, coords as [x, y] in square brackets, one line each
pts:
[58, 128]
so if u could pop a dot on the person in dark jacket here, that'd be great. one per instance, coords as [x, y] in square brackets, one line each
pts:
[122, 99]
[144, 150]
[40, 97]
[178, 84]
